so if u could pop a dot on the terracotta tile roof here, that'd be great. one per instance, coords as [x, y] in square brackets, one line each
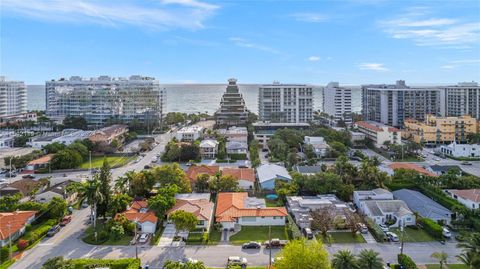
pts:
[41, 160]
[230, 206]
[247, 174]
[16, 219]
[202, 208]
[194, 170]
[134, 213]
[472, 194]
[412, 166]
[369, 126]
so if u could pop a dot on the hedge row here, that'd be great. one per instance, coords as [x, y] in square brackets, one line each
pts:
[129, 263]
[406, 261]
[238, 156]
[431, 227]
[439, 196]
[376, 230]
[37, 233]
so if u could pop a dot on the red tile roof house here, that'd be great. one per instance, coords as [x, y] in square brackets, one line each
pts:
[195, 170]
[412, 166]
[196, 203]
[37, 164]
[12, 225]
[244, 176]
[470, 198]
[146, 219]
[236, 209]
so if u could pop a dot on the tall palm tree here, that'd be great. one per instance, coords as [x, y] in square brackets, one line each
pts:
[369, 259]
[90, 192]
[441, 257]
[471, 251]
[122, 184]
[344, 259]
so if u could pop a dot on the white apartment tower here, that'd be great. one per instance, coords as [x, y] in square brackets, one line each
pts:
[463, 99]
[285, 103]
[105, 99]
[13, 97]
[337, 103]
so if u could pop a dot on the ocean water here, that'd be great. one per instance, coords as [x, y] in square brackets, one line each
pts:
[192, 98]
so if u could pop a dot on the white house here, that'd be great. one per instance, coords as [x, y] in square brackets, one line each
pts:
[394, 212]
[6, 139]
[196, 203]
[461, 150]
[12, 225]
[208, 148]
[470, 198]
[318, 144]
[139, 213]
[375, 194]
[189, 133]
[235, 147]
[58, 190]
[236, 209]
[379, 133]
[268, 173]
[66, 137]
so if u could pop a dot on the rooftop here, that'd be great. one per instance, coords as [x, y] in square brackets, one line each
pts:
[376, 126]
[411, 166]
[195, 170]
[42, 160]
[201, 208]
[138, 211]
[190, 129]
[247, 174]
[472, 194]
[12, 222]
[267, 172]
[383, 207]
[420, 203]
[307, 169]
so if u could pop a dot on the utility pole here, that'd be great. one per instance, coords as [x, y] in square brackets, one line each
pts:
[135, 238]
[10, 239]
[270, 248]
[10, 173]
[402, 228]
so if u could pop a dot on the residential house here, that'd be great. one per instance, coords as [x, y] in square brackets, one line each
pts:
[12, 225]
[196, 203]
[138, 212]
[423, 205]
[269, 173]
[470, 198]
[6, 139]
[195, 170]
[376, 194]
[301, 207]
[236, 209]
[461, 150]
[235, 134]
[318, 144]
[357, 138]
[395, 213]
[411, 166]
[244, 176]
[208, 148]
[263, 131]
[443, 169]
[65, 137]
[58, 190]
[379, 133]
[38, 164]
[307, 170]
[189, 133]
[25, 186]
[107, 134]
[236, 147]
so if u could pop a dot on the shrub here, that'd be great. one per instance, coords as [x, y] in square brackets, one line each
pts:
[376, 230]
[238, 156]
[117, 232]
[4, 254]
[35, 234]
[431, 227]
[22, 244]
[296, 233]
[406, 261]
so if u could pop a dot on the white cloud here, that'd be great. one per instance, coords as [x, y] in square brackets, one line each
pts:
[373, 66]
[428, 31]
[309, 17]
[458, 63]
[165, 14]
[314, 58]
[241, 42]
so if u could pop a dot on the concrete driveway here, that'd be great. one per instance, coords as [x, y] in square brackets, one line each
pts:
[167, 236]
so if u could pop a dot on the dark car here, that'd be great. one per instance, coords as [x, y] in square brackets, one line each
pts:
[55, 229]
[146, 167]
[251, 245]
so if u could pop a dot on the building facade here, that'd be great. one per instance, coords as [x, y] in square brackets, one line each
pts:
[393, 104]
[461, 150]
[379, 133]
[337, 103]
[104, 99]
[13, 97]
[436, 130]
[287, 103]
[232, 111]
[463, 99]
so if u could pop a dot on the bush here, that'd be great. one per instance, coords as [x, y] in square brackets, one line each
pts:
[117, 232]
[238, 156]
[4, 254]
[431, 227]
[36, 234]
[376, 230]
[22, 244]
[406, 261]
[112, 264]
[293, 228]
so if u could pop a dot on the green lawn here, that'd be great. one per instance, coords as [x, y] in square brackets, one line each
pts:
[413, 235]
[214, 237]
[195, 238]
[97, 161]
[448, 266]
[89, 237]
[343, 237]
[258, 233]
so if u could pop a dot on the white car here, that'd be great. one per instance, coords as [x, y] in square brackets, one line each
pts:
[143, 238]
[446, 233]
[392, 237]
[383, 227]
[236, 260]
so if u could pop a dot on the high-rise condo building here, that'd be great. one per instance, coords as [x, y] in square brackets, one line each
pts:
[463, 99]
[286, 103]
[105, 99]
[13, 97]
[337, 103]
[393, 104]
[232, 111]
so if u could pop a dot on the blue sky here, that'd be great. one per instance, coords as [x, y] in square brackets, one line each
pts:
[202, 41]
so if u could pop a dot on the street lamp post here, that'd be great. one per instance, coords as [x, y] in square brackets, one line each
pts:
[402, 228]
[135, 238]
[270, 248]
[9, 225]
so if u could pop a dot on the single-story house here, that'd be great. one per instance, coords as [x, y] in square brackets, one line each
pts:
[237, 209]
[307, 170]
[235, 147]
[470, 198]
[107, 134]
[411, 166]
[269, 173]
[208, 148]
[423, 205]
[244, 176]
[195, 170]
[37, 164]
[318, 144]
[375, 194]
[25, 186]
[58, 190]
[443, 169]
[138, 212]
[12, 225]
[461, 150]
[196, 203]
[394, 211]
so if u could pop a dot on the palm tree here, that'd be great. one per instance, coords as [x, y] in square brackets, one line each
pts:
[344, 259]
[369, 259]
[471, 251]
[441, 257]
[90, 191]
[122, 185]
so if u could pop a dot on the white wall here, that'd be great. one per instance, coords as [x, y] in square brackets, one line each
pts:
[148, 227]
[244, 184]
[259, 221]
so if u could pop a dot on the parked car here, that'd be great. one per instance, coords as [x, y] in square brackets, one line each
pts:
[10, 174]
[66, 220]
[146, 167]
[251, 244]
[446, 233]
[236, 260]
[466, 163]
[392, 237]
[154, 159]
[436, 159]
[55, 229]
[275, 243]
[28, 176]
[362, 228]
[189, 260]
[143, 238]
[307, 232]
[383, 227]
